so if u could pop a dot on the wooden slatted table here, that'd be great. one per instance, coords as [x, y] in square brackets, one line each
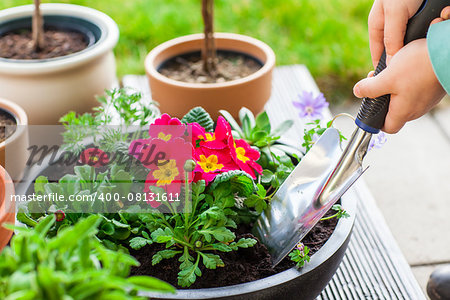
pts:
[373, 266]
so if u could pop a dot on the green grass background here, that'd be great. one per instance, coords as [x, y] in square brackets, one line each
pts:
[328, 36]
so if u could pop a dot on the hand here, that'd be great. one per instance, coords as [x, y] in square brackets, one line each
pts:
[445, 15]
[387, 26]
[410, 80]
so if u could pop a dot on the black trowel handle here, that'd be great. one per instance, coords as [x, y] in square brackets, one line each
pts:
[373, 112]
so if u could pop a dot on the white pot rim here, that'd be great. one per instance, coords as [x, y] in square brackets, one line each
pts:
[155, 52]
[109, 38]
[20, 116]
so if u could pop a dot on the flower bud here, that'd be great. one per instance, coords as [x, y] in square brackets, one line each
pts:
[198, 244]
[189, 165]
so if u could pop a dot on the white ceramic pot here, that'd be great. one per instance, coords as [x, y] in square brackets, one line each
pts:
[49, 88]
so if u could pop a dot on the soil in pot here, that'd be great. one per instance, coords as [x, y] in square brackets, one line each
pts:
[241, 266]
[18, 45]
[230, 66]
[7, 125]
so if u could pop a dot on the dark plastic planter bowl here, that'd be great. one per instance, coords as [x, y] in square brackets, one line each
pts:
[305, 283]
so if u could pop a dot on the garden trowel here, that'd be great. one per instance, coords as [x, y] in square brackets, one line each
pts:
[326, 172]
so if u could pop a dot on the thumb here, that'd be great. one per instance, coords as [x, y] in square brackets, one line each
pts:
[372, 87]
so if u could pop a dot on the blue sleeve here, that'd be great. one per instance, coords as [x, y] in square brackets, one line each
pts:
[438, 41]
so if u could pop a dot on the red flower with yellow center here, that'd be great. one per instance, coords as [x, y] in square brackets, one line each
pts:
[166, 128]
[212, 140]
[245, 157]
[94, 157]
[210, 163]
[60, 215]
[166, 173]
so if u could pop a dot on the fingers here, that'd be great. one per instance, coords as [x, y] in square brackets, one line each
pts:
[373, 87]
[376, 32]
[393, 125]
[370, 74]
[396, 19]
[445, 13]
[437, 20]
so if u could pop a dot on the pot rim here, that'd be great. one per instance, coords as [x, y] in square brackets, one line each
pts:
[7, 183]
[20, 116]
[332, 245]
[155, 52]
[107, 41]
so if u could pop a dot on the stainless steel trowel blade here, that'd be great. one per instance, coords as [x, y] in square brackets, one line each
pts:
[294, 209]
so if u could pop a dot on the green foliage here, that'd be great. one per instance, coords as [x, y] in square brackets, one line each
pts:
[340, 213]
[256, 131]
[120, 225]
[300, 255]
[201, 116]
[314, 131]
[71, 265]
[129, 107]
[193, 237]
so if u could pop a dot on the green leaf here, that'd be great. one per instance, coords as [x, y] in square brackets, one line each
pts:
[227, 176]
[263, 123]
[25, 219]
[39, 185]
[187, 276]
[200, 116]
[212, 261]
[69, 238]
[243, 243]
[119, 224]
[222, 247]
[223, 234]
[282, 128]
[162, 236]
[261, 191]
[164, 254]
[147, 283]
[248, 122]
[108, 228]
[44, 226]
[266, 176]
[139, 242]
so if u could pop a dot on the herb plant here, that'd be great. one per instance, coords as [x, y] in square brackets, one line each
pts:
[300, 255]
[72, 265]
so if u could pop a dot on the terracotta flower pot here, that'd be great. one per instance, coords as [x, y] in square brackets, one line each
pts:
[49, 88]
[177, 98]
[14, 150]
[6, 208]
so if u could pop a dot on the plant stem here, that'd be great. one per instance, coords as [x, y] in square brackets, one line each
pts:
[209, 47]
[330, 217]
[37, 27]
[186, 201]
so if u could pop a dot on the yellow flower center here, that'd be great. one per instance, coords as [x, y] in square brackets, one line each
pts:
[166, 173]
[164, 137]
[93, 159]
[208, 137]
[240, 152]
[210, 163]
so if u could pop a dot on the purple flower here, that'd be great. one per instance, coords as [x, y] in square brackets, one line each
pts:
[310, 106]
[300, 247]
[378, 140]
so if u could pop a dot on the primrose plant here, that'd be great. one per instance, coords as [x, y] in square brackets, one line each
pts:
[194, 182]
